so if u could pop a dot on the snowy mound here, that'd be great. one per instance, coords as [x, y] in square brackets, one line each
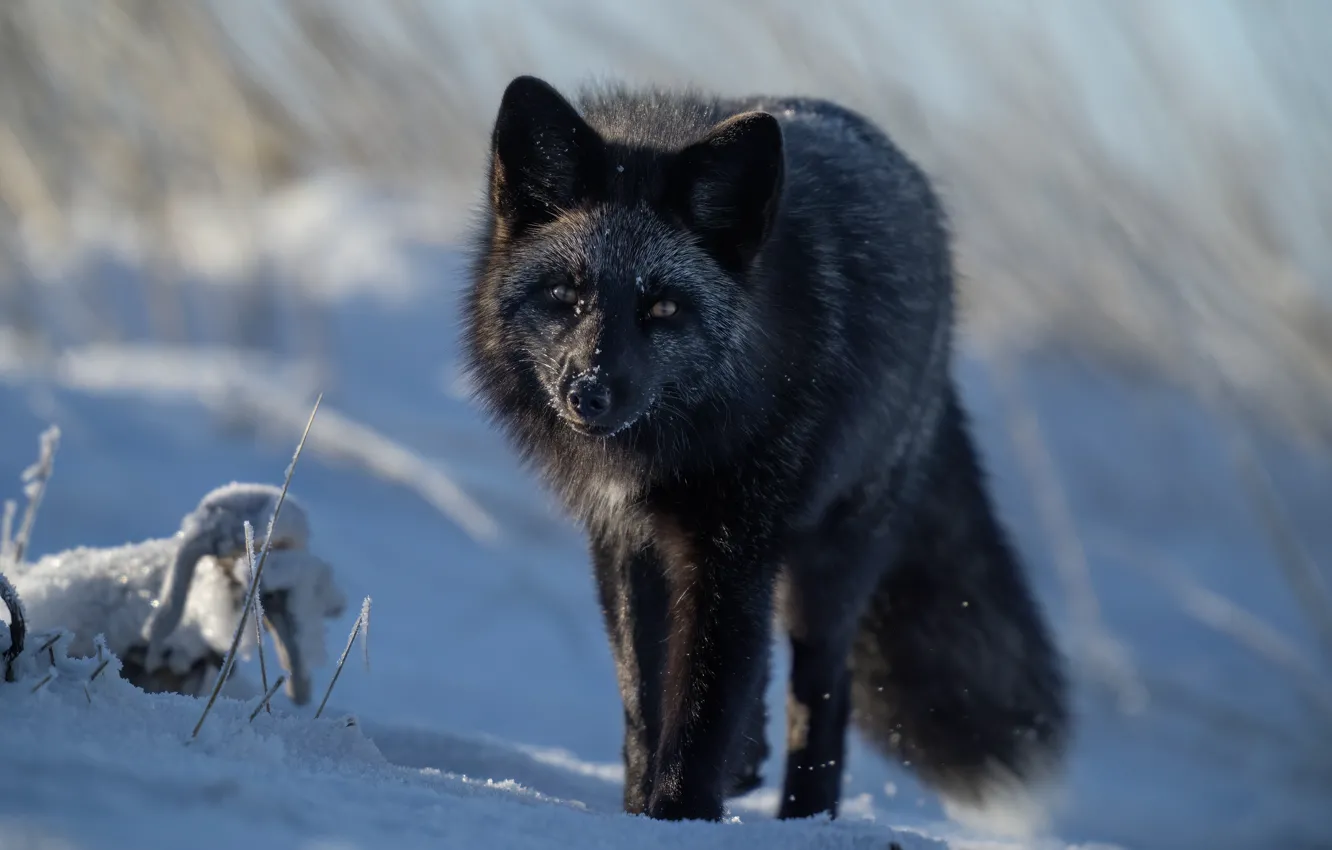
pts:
[126, 761]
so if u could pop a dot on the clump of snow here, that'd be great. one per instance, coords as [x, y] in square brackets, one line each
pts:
[112, 591]
[115, 591]
[94, 762]
[313, 596]
[87, 696]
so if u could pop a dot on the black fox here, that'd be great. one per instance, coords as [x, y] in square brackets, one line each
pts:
[722, 331]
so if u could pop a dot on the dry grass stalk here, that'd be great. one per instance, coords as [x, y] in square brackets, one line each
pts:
[230, 660]
[268, 695]
[362, 622]
[258, 611]
[35, 479]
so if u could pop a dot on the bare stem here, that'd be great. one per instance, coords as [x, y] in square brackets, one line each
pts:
[229, 661]
[268, 695]
[258, 611]
[98, 671]
[365, 632]
[351, 638]
[7, 529]
[12, 549]
[35, 479]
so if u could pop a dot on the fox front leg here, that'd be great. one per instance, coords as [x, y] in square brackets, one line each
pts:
[717, 651]
[633, 602]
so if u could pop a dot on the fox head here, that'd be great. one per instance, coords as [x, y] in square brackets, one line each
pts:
[615, 291]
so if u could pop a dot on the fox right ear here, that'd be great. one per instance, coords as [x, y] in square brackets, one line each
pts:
[727, 185]
[544, 157]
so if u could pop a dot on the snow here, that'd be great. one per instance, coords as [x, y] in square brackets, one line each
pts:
[491, 717]
[111, 592]
[286, 781]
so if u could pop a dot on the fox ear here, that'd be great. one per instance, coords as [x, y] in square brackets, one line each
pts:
[727, 186]
[543, 157]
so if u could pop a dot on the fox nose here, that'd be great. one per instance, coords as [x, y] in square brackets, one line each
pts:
[589, 399]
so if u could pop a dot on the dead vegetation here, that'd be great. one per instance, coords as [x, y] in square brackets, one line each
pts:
[1127, 195]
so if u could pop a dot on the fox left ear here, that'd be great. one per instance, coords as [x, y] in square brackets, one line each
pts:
[544, 156]
[728, 184]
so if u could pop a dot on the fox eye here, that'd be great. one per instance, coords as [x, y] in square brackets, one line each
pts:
[563, 293]
[663, 309]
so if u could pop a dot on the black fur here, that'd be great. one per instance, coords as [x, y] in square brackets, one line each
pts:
[787, 438]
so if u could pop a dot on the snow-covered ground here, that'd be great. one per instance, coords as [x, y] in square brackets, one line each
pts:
[489, 716]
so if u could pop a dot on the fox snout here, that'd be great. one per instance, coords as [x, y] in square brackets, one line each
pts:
[589, 402]
[594, 403]
[588, 399]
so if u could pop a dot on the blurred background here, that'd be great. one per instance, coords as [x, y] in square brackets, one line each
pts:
[211, 210]
[1142, 178]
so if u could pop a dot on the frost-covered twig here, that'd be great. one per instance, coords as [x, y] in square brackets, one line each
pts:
[45, 680]
[230, 659]
[258, 610]
[49, 646]
[362, 624]
[35, 479]
[268, 695]
[12, 550]
[365, 632]
[7, 529]
[98, 670]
